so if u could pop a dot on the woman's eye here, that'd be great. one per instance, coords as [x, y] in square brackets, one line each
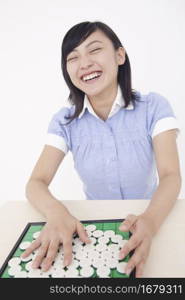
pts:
[72, 58]
[95, 49]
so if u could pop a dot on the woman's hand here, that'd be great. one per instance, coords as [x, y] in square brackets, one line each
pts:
[142, 233]
[59, 229]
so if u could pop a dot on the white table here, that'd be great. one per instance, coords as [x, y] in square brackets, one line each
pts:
[167, 254]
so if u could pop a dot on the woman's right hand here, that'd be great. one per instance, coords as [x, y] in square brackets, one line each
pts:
[59, 229]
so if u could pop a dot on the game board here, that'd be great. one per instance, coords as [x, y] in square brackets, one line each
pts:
[88, 261]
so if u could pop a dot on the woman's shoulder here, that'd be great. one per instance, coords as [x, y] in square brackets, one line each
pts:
[63, 112]
[152, 97]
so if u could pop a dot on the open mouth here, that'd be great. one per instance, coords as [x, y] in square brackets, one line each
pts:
[92, 77]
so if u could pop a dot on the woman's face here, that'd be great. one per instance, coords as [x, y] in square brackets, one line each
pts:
[95, 57]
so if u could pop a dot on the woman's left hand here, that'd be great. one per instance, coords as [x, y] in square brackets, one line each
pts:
[142, 230]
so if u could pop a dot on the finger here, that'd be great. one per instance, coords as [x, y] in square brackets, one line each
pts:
[52, 251]
[134, 241]
[139, 269]
[67, 245]
[128, 223]
[31, 248]
[82, 233]
[139, 256]
[41, 253]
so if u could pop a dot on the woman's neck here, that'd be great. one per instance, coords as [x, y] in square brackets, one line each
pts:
[102, 103]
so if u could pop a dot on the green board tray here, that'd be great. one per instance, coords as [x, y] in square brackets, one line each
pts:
[112, 224]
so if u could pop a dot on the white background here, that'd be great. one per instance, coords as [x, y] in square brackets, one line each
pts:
[33, 89]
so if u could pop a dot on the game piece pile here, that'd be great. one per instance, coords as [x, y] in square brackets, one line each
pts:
[96, 259]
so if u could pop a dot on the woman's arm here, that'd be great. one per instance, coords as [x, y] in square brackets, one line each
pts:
[147, 224]
[37, 191]
[60, 224]
[168, 167]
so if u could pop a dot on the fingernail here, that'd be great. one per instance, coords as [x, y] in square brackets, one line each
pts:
[43, 268]
[122, 255]
[128, 271]
[123, 227]
[34, 265]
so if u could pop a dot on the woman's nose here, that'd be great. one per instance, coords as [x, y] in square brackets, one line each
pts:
[85, 63]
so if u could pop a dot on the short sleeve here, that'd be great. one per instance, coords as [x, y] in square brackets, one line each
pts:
[58, 134]
[160, 115]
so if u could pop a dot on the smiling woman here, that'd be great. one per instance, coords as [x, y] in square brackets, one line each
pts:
[118, 137]
[86, 49]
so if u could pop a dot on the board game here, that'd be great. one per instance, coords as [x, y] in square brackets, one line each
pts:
[98, 259]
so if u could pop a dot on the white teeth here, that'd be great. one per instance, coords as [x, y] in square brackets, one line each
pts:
[93, 75]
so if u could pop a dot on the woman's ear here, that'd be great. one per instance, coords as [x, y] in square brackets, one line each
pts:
[121, 55]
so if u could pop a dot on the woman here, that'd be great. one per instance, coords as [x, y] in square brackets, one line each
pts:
[116, 135]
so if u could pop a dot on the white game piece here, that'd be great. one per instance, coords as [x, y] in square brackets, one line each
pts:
[48, 272]
[89, 233]
[75, 264]
[58, 262]
[122, 243]
[59, 256]
[90, 227]
[24, 245]
[86, 271]
[58, 273]
[101, 247]
[116, 238]
[116, 254]
[93, 254]
[28, 266]
[100, 256]
[85, 262]
[71, 273]
[60, 259]
[103, 240]
[98, 262]
[107, 254]
[113, 247]
[44, 275]
[14, 261]
[111, 263]
[81, 254]
[97, 233]
[121, 267]
[28, 258]
[78, 241]
[71, 268]
[21, 274]
[109, 233]
[34, 273]
[88, 248]
[77, 247]
[103, 271]
[57, 267]
[36, 234]
[12, 271]
[93, 241]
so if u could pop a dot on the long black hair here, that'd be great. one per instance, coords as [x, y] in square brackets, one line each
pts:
[73, 38]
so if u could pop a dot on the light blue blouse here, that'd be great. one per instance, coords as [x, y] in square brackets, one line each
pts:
[114, 158]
